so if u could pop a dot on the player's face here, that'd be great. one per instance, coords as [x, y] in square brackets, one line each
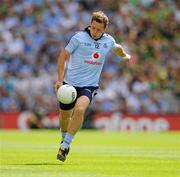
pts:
[97, 29]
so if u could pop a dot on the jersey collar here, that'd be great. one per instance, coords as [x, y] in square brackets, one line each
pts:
[87, 29]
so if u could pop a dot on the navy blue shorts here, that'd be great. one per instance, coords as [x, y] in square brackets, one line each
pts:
[90, 92]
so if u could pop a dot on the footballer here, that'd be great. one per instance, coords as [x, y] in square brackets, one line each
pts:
[86, 52]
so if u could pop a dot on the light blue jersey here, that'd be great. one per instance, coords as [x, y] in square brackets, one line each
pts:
[87, 58]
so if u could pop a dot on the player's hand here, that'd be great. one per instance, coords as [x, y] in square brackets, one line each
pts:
[126, 57]
[57, 85]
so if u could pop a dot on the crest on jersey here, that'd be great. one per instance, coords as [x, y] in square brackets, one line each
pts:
[96, 55]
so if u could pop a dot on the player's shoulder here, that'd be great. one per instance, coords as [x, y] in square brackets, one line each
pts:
[108, 37]
[79, 34]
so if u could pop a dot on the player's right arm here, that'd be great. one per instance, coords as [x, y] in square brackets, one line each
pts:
[64, 55]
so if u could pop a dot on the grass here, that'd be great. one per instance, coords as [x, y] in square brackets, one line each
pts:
[93, 154]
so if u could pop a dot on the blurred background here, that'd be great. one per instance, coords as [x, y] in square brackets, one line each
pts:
[141, 95]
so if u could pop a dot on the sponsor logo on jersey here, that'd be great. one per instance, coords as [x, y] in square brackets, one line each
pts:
[96, 55]
[92, 62]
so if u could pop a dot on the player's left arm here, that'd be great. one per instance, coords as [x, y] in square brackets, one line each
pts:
[118, 49]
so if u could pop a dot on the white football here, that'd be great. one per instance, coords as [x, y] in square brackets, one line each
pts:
[66, 94]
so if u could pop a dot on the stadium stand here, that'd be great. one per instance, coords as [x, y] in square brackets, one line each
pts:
[32, 32]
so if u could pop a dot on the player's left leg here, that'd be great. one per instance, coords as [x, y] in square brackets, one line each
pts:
[78, 115]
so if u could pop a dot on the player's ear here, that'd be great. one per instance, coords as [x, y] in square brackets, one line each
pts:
[105, 28]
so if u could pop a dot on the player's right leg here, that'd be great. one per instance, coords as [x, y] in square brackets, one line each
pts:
[65, 113]
[64, 117]
[75, 122]
[74, 125]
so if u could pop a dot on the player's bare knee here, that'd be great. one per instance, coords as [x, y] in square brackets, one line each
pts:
[80, 109]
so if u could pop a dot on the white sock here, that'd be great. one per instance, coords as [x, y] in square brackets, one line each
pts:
[67, 141]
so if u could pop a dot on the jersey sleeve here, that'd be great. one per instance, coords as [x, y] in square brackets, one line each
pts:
[72, 44]
[114, 44]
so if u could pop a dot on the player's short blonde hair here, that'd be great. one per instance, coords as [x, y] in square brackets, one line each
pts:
[100, 17]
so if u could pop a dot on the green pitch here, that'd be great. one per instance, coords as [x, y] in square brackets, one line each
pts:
[93, 154]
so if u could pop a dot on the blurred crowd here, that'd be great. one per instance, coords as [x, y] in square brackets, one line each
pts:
[32, 33]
